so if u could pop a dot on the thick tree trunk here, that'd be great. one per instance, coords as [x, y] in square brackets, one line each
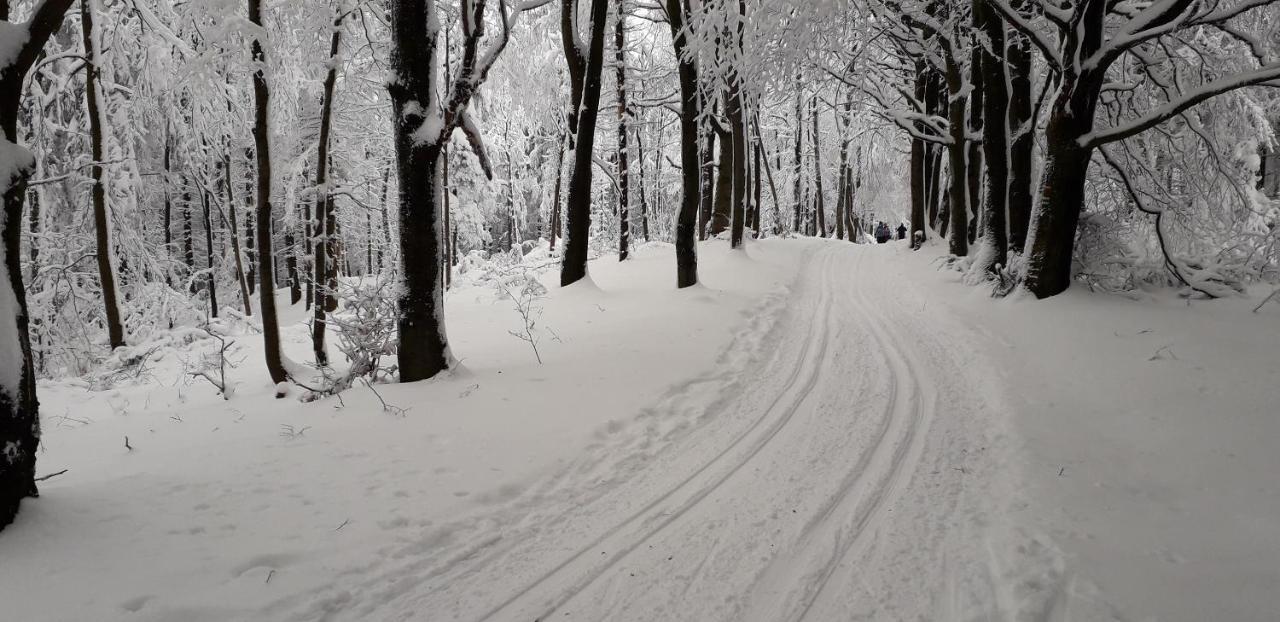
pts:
[1061, 198]
[261, 140]
[995, 105]
[1021, 141]
[574, 266]
[691, 197]
[19, 416]
[101, 221]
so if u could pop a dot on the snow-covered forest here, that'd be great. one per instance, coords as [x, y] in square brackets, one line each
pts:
[640, 309]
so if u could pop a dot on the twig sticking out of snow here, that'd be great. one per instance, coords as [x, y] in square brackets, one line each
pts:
[50, 476]
[1266, 300]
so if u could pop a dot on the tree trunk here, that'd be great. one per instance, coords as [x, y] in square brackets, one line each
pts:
[956, 151]
[738, 132]
[1061, 193]
[386, 221]
[211, 282]
[188, 245]
[1021, 141]
[555, 195]
[722, 214]
[691, 198]
[799, 153]
[447, 213]
[323, 259]
[995, 105]
[261, 140]
[708, 171]
[973, 154]
[19, 416]
[574, 267]
[620, 72]
[250, 238]
[101, 221]
[819, 204]
[233, 225]
[919, 153]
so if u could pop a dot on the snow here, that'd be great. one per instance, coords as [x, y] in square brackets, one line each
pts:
[1146, 432]
[819, 431]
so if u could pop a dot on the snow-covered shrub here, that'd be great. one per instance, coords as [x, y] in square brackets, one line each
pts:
[366, 326]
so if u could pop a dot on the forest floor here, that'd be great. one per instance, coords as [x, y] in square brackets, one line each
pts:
[821, 431]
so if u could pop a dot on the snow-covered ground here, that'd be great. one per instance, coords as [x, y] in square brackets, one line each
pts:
[821, 431]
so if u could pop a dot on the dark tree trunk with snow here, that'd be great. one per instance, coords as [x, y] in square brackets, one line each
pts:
[19, 416]
[690, 164]
[101, 221]
[574, 266]
[1021, 141]
[262, 148]
[325, 222]
[211, 281]
[995, 104]
[819, 203]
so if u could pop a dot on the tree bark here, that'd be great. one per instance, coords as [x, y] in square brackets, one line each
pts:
[211, 282]
[574, 266]
[620, 73]
[323, 259]
[691, 197]
[919, 168]
[819, 204]
[1021, 141]
[101, 221]
[233, 225]
[19, 416]
[261, 140]
[995, 105]
[956, 152]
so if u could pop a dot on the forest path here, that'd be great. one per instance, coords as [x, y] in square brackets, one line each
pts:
[814, 475]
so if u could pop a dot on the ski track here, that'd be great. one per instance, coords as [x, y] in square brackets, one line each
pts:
[764, 490]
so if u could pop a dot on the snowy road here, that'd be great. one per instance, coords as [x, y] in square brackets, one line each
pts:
[828, 468]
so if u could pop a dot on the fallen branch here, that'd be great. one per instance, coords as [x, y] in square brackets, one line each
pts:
[1266, 300]
[50, 476]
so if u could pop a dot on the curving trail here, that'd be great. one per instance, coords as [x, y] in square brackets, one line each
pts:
[835, 466]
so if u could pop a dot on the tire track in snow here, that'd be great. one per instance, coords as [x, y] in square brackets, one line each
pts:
[636, 529]
[847, 517]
